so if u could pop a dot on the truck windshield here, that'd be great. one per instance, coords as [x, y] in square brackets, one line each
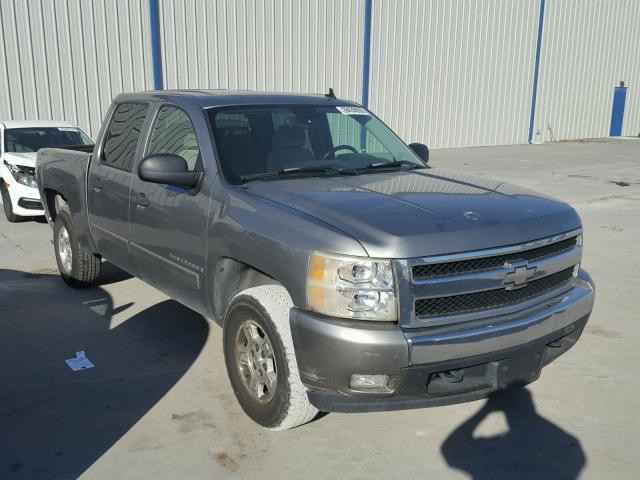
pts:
[260, 142]
[20, 140]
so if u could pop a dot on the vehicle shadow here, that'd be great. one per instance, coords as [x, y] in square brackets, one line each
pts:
[109, 273]
[533, 447]
[54, 422]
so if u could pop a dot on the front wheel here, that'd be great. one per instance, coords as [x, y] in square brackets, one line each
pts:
[7, 206]
[260, 359]
[78, 266]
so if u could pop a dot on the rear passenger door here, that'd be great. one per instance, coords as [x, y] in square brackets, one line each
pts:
[109, 183]
[168, 223]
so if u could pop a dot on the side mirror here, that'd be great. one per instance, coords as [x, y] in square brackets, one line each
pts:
[421, 150]
[169, 170]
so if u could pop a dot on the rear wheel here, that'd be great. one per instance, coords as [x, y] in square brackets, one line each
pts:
[78, 266]
[7, 206]
[260, 359]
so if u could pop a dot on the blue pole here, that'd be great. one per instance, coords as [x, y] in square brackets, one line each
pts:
[536, 70]
[366, 53]
[156, 56]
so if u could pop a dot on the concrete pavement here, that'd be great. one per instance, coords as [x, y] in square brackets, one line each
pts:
[158, 403]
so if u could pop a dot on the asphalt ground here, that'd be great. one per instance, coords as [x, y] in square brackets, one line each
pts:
[158, 403]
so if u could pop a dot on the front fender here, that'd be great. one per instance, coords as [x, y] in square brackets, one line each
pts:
[269, 237]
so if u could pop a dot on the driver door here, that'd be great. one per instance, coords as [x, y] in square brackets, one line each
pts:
[168, 223]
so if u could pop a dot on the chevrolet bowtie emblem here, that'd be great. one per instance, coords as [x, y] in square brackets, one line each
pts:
[519, 275]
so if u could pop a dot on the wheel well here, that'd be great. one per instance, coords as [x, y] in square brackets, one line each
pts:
[54, 201]
[230, 278]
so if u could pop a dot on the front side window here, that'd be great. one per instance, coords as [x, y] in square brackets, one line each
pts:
[22, 140]
[256, 142]
[173, 133]
[123, 135]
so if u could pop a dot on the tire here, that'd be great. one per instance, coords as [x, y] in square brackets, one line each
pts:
[83, 266]
[7, 206]
[267, 309]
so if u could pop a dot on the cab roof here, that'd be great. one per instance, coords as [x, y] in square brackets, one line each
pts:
[218, 98]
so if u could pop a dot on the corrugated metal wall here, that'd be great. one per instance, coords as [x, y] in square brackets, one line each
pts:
[67, 59]
[278, 45]
[449, 73]
[454, 73]
[588, 47]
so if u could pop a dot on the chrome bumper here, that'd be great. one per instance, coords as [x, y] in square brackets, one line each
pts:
[501, 333]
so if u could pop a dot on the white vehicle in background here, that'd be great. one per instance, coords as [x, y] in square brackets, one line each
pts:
[19, 142]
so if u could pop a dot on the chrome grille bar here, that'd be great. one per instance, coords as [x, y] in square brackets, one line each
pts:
[493, 285]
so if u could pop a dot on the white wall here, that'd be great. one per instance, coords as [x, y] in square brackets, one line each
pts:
[454, 73]
[449, 73]
[277, 45]
[588, 47]
[67, 59]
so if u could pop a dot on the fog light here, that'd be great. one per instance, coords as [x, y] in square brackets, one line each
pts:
[369, 382]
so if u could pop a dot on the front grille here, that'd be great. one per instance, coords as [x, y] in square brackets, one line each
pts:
[487, 263]
[470, 302]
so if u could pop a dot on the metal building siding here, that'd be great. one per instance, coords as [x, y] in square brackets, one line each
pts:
[67, 59]
[588, 47]
[277, 45]
[454, 73]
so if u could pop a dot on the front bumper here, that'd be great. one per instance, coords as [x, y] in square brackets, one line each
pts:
[488, 355]
[25, 200]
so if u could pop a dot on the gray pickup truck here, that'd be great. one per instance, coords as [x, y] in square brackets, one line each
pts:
[347, 274]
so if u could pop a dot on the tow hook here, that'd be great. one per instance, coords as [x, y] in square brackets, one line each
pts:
[452, 376]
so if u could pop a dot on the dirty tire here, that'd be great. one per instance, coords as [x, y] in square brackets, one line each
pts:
[268, 306]
[7, 206]
[85, 265]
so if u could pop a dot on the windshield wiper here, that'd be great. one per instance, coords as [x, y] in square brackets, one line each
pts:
[394, 164]
[297, 171]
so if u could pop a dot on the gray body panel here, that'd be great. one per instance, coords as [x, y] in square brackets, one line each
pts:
[185, 243]
[424, 212]
[65, 172]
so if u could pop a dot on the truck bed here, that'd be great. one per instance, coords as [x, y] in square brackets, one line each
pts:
[63, 172]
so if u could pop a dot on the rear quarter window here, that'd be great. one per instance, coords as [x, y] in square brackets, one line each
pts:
[123, 135]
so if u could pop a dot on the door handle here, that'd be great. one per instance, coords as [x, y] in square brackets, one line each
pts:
[97, 184]
[141, 200]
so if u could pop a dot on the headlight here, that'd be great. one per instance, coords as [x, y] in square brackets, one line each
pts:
[23, 175]
[351, 287]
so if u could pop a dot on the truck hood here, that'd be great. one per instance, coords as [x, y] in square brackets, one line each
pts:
[423, 212]
[27, 159]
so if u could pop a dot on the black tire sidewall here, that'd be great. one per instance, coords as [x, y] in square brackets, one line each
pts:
[7, 206]
[272, 413]
[63, 220]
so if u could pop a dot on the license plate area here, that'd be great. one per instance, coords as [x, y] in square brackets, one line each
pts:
[488, 377]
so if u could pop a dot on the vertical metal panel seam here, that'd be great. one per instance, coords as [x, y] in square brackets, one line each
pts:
[141, 39]
[366, 53]
[44, 54]
[536, 70]
[83, 58]
[33, 64]
[6, 70]
[106, 43]
[15, 35]
[70, 47]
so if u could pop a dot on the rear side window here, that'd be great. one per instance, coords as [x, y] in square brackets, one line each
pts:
[173, 133]
[123, 134]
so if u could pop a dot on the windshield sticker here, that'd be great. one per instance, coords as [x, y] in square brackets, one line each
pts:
[352, 111]
[67, 129]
